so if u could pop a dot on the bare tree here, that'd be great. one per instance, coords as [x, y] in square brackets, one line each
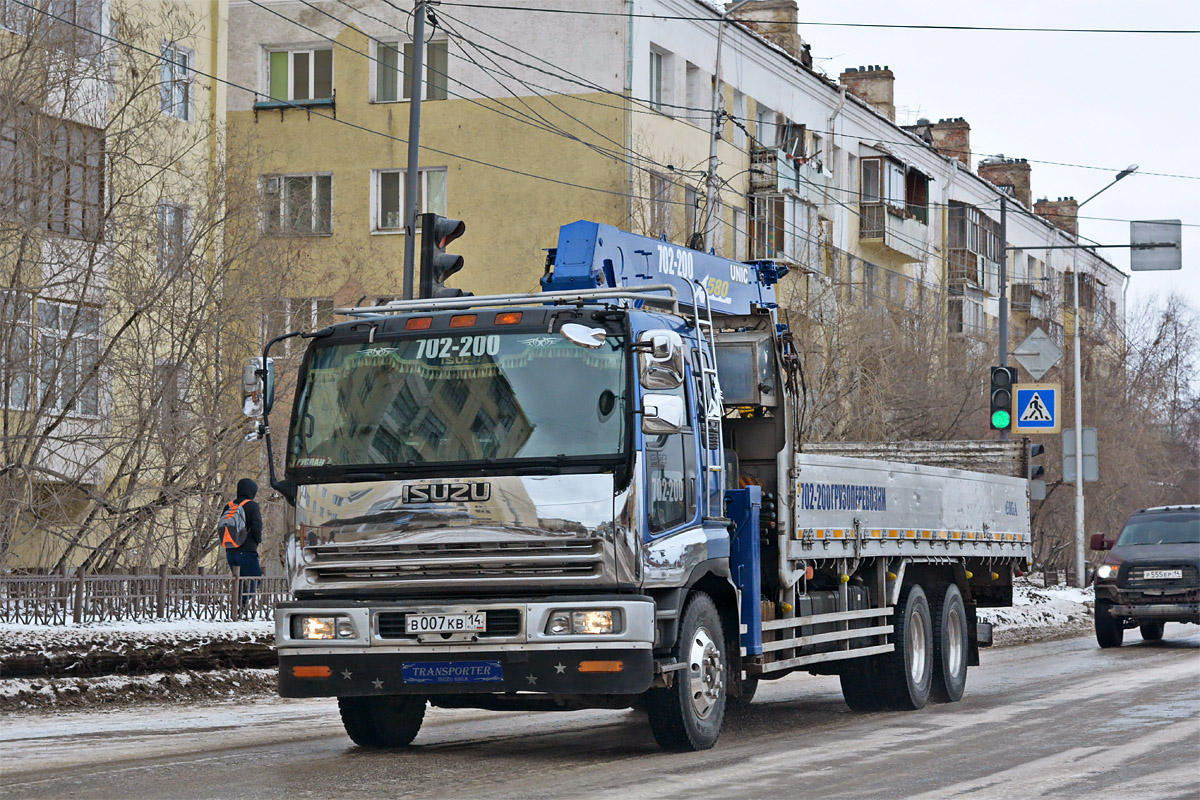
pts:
[133, 265]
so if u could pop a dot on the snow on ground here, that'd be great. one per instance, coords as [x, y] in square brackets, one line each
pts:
[17, 636]
[1037, 614]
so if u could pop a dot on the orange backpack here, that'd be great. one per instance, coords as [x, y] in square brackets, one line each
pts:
[232, 525]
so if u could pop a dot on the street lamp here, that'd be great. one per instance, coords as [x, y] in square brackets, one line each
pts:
[1079, 568]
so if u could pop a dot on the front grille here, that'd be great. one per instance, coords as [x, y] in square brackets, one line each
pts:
[1134, 577]
[501, 622]
[473, 563]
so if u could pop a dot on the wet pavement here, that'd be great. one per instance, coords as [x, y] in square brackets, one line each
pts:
[1056, 719]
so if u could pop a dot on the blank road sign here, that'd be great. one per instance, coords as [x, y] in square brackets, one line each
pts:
[1155, 244]
[1035, 408]
[1091, 461]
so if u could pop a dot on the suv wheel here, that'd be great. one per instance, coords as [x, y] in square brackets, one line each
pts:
[1109, 630]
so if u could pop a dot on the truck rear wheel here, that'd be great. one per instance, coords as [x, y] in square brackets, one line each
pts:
[1109, 631]
[907, 672]
[382, 722]
[1152, 631]
[950, 645]
[688, 714]
[862, 686]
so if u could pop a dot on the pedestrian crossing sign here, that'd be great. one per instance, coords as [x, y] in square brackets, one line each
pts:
[1035, 408]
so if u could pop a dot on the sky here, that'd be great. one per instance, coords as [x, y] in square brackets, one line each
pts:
[1100, 100]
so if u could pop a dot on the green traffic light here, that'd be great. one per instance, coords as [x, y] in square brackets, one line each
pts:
[1001, 419]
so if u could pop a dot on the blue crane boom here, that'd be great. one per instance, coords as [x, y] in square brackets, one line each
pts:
[592, 255]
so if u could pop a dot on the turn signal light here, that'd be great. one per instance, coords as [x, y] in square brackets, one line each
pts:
[418, 324]
[463, 321]
[312, 672]
[508, 318]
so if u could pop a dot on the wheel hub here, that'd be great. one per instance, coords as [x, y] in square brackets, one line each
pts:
[917, 647]
[954, 647]
[705, 673]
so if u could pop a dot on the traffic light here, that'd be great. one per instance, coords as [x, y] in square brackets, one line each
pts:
[1036, 470]
[1003, 379]
[436, 264]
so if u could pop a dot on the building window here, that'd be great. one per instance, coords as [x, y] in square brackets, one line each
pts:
[739, 234]
[389, 196]
[16, 349]
[660, 63]
[298, 205]
[282, 315]
[72, 26]
[51, 172]
[172, 380]
[660, 204]
[299, 75]
[699, 94]
[691, 215]
[767, 226]
[905, 191]
[173, 224]
[739, 119]
[68, 356]
[766, 131]
[178, 65]
[393, 78]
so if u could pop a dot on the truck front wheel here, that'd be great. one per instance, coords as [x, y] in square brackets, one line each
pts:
[1109, 630]
[382, 722]
[688, 714]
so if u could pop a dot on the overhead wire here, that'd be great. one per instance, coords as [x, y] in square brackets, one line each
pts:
[880, 25]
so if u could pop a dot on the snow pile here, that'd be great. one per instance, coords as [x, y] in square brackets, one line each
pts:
[31, 694]
[1038, 613]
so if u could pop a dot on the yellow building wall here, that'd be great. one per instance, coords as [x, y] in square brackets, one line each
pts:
[510, 218]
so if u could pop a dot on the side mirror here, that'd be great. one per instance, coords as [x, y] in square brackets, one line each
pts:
[258, 390]
[1100, 543]
[662, 414]
[582, 335]
[660, 359]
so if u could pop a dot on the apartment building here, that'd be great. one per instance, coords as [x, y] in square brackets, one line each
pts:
[109, 164]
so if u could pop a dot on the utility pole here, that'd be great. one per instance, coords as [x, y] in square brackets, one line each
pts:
[417, 84]
[1004, 290]
[718, 106]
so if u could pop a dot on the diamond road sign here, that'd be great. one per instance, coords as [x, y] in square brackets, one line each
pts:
[1037, 354]
[1035, 408]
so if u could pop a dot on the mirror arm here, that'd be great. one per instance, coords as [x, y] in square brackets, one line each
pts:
[284, 486]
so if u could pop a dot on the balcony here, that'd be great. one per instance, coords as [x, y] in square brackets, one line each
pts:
[774, 171]
[881, 223]
[1030, 299]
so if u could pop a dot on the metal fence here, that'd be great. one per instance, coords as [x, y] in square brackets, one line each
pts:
[61, 599]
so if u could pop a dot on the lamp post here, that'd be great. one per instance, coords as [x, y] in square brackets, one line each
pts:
[1079, 562]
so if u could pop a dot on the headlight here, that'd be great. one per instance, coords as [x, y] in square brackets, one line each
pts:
[322, 628]
[592, 621]
[1106, 571]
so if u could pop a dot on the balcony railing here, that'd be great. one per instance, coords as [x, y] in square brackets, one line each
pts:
[901, 234]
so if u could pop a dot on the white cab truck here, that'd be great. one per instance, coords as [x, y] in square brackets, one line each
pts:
[594, 496]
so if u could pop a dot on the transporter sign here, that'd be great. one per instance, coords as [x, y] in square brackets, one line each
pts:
[1035, 408]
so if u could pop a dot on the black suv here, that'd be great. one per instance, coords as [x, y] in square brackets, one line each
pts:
[1151, 575]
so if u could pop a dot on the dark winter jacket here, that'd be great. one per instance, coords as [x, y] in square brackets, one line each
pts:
[246, 489]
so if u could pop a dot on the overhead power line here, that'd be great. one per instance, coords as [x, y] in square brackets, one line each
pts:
[883, 25]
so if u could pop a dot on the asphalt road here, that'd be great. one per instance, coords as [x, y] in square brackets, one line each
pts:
[1052, 719]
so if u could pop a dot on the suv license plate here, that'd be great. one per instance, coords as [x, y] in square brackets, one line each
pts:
[445, 623]
[1162, 574]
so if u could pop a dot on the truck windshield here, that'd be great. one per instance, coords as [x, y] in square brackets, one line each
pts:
[443, 399]
[1168, 527]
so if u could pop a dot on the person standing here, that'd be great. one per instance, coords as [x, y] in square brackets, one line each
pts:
[245, 556]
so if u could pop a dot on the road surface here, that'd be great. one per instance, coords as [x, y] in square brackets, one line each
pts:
[1053, 719]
